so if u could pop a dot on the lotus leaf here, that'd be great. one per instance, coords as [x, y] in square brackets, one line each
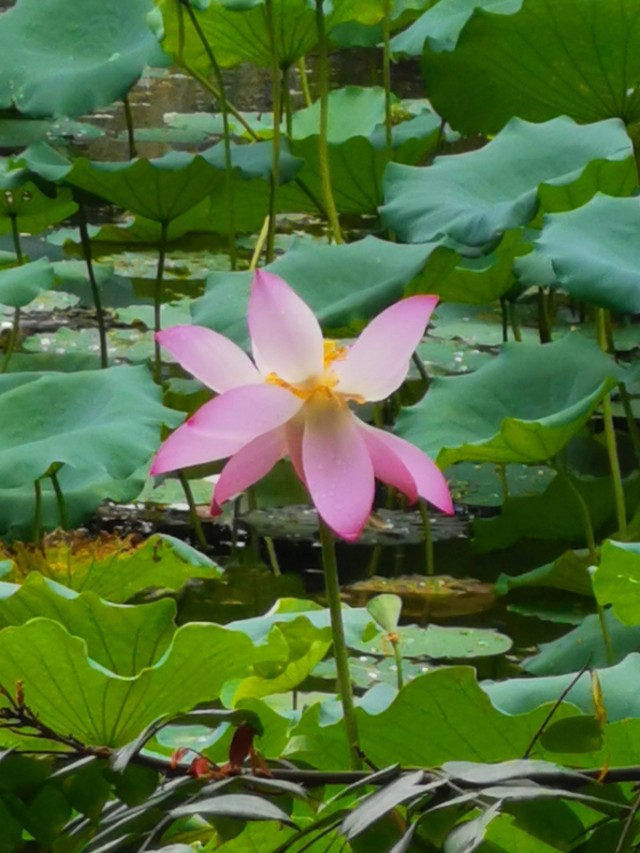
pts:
[474, 197]
[546, 58]
[113, 568]
[617, 578]
[65, 59]
[486, 416]
[20, 285]
[238, 32]
[345, 285]
[440, 25]
[109, 709]
[105, 423]
[593, 252]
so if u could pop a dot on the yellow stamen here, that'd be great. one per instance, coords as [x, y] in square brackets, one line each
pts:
[323, 387]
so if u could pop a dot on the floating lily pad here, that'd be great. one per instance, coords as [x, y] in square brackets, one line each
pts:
[485, 416]
[474, 197]
[538, 60]
[62, 59]
[591, 253]
[437, 641]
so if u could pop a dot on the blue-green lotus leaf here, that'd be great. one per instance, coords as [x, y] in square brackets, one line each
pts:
[524, 406]
[63, 58]
[579, 58]
[20, 285]
[474, 197]
[593, 252]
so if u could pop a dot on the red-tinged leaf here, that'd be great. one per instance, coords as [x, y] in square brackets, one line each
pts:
[241, 745]
[177, 757]
[202, 768]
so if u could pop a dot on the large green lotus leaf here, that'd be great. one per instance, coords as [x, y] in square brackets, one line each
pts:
[357, 149]
[585, 646]
[521, 695]
[482, 280]
[62, 58]
[172, 188]
[123, 639]
[345, 285]
[441, 24]
[83, 488]
[160, 561]
[593, 252]
[554, 514]
[568, 572]
[475, 196]
[108, 420]
[440, 716]
[238, 32]
[617, 580]
[20, 285]
[72, 694]
[579, 58]
[524, 406]
[32, 210]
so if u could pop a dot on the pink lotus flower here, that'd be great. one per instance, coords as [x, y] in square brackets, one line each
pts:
[293, 400]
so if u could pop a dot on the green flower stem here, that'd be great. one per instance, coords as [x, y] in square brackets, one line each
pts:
[11, 343]
[85, 242]
[157, 296]
[332, 589]
[323, 145]
[428, 538]
[610, 435]
[62, 504]
[386, 76]
[304, 81]
[420, 367]
[15, 326]
[273, 556]
[286, 101]
[194, 518]
[37, 512]
[544, 316]
[276, 97]
[632, 425]
[590, 538]
[398, 658]
[504, 315]
[515, 322]
[128, 117]
[224, 109]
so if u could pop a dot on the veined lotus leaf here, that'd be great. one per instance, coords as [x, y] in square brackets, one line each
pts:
[167, 188]
[61, 58]
[554, 514]
[72, 694]
[585, 646]
[123, 639]
[104, 421]
[617, 580]
[482, 280]
[440, 716]
[593, 252]
[579, 58]
[23, 202]
[474, 197]
[113, 568]
[238, 32]
[20, 285]
[568, 572]
[524, 406]
[356, 34]
[345, 285]
[521, 695]
[440, 25]
[357, 149]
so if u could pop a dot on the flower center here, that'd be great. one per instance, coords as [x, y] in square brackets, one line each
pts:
[322, 386]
